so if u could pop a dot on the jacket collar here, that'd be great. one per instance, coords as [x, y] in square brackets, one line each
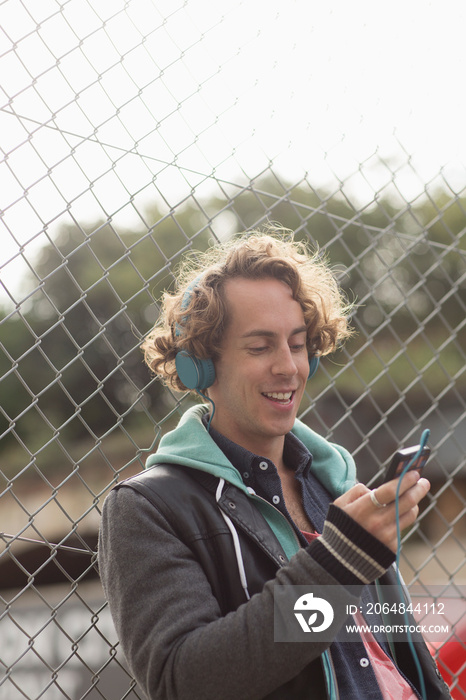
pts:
[190, 444]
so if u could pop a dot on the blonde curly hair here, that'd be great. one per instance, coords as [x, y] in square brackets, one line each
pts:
[195, 317]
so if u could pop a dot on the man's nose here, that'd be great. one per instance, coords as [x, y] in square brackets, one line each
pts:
[285, 362]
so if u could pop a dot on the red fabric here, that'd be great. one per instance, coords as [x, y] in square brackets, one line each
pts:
[310, 536]
[391, 683]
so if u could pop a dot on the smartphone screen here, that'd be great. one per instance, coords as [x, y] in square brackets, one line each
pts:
[403, 457]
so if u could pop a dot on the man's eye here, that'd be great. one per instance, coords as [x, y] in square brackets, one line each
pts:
[258, 350]
[298, 348]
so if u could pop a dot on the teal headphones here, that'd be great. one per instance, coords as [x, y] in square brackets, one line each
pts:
[198, 374]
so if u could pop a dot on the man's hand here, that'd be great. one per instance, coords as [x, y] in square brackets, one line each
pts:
[378, 515]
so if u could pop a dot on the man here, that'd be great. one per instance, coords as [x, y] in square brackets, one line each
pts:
[242, 497]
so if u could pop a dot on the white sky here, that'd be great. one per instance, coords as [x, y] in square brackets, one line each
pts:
[217, 90]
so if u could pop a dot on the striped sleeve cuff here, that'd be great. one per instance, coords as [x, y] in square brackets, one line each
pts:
[349, 552]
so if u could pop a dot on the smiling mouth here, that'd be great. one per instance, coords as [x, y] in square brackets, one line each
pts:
[279, 396]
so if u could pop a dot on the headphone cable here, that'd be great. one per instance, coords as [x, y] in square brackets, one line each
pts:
[424, 438]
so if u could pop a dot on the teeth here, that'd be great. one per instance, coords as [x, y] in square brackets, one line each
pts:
[280, 396]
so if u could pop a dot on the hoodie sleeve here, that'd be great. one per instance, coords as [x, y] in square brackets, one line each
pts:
[348, 551]
[175, 639]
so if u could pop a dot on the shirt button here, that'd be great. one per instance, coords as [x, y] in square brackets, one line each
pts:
[276, 499]
[263, 465]
[364, 662]
[246, 475]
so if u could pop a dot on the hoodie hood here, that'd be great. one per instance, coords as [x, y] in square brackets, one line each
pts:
[189, 444]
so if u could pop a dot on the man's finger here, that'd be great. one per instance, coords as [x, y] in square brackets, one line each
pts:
[386, 493]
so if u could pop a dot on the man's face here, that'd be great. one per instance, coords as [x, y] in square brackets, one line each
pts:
[263, 368]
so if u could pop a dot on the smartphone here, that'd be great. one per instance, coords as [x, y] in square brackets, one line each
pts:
[403, 457]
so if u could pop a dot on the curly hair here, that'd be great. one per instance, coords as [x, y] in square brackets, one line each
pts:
[195, 317]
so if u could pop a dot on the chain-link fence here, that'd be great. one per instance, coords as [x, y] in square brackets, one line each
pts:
[131, 133]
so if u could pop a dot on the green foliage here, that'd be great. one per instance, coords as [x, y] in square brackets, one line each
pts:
[70, 363]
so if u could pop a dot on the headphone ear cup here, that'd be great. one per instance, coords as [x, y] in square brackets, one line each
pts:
[193, 372]
[313, 365]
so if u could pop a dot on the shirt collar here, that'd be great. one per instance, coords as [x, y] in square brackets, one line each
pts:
[295, 454]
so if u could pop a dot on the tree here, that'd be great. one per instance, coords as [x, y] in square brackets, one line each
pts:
[70, 363]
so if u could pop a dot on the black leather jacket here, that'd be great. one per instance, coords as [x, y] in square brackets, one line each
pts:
[181, 503]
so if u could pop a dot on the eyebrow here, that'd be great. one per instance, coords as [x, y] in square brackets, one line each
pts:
[271, 334]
